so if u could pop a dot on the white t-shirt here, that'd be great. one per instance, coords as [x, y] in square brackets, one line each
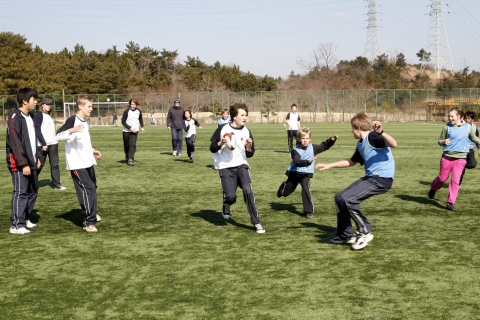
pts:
[31, 134]
[48, 130]
[293, 119]
[78, 146]
[133, 120]
[226, 158]
[192, 130]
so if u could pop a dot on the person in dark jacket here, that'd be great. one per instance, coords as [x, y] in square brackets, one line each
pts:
[23, 161]
[175, 125]
[302, 167]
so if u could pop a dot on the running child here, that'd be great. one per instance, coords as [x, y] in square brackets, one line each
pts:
[302, 167]
[225, 118]
[80, 156]
[455, 139]
[191, 135]
[471, 161]
[23, 161]
[373, 151]
[231, 162]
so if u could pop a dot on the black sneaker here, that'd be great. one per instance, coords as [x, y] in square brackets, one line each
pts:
[280, 190]
[431, 194]
[450, 206]
[339, 240]
[226, 211]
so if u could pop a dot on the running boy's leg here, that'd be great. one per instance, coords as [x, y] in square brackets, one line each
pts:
[228, 181]
[244, 181]
[348, 206]
[86, 193]
[287, 187]
[306, 196]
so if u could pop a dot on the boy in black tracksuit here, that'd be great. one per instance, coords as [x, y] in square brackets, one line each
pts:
[23, 161]
[302, 167]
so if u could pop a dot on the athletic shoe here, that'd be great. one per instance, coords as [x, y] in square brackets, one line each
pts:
[130, 162]
[280, 190]
[98, 218]
[31, 225]
[339, 240]
[226, 211]
[174, 153]
[59, 187]
[90, 228]
[309, 215]
[14, 230]
[362, 241]
[259, 228]
[179, 154]
[450, 206]
[431, 194]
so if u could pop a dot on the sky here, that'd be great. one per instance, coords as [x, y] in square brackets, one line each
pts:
[264, 37]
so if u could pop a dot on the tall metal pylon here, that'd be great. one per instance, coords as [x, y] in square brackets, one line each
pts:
[437, 41]
[372, 45]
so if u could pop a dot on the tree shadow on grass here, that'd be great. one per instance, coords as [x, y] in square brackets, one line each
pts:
[75, 216]
[277, 206]
[325, 232]
[422, 200]
[215, 218]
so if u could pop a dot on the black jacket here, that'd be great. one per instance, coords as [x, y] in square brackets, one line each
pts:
[18, 148]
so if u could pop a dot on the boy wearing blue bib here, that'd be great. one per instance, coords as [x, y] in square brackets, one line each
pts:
[302, 167]
[373, 151]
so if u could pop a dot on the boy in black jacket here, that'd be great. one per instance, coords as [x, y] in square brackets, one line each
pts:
[302, 167]
[23, 161]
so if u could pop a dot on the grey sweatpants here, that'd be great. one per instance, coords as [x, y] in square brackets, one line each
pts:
[348, 206]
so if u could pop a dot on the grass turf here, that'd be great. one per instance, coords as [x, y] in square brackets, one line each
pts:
[163, 250]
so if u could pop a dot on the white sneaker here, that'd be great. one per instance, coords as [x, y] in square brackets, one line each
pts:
[99, 218]
[362, 241]
[14, 230]
[31, 225]
[259, 228]
[174, 153]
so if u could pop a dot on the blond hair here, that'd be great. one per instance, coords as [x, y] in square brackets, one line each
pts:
[361, 121]
[304, 132]
[83, 99]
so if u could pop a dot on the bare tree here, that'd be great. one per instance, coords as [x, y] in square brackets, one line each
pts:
[324, 57]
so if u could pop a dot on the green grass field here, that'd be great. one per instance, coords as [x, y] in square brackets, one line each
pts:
[163, 250]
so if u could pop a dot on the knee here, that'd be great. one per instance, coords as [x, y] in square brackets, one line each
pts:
[340, 199]
[230, 199]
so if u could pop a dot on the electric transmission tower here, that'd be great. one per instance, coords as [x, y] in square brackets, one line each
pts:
[437, 41]
[372, 45]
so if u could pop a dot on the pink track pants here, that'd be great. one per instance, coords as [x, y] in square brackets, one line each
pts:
[455, 166]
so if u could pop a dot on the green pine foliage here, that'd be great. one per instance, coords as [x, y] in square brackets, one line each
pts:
[163, 250]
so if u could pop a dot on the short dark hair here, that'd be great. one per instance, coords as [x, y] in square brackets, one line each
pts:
[134, 101]
[237, 106]
[470, 114]
[293, 105]
[26, 94]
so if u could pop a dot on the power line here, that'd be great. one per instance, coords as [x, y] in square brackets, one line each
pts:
[372, 45]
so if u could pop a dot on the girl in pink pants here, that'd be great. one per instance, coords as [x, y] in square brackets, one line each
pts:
[455, 139]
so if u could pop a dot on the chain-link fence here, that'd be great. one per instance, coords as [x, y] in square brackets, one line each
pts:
[271, 107]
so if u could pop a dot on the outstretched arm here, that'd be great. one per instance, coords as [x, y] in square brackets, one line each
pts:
[339, 164]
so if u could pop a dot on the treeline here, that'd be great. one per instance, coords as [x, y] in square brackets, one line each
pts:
[143, 69]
